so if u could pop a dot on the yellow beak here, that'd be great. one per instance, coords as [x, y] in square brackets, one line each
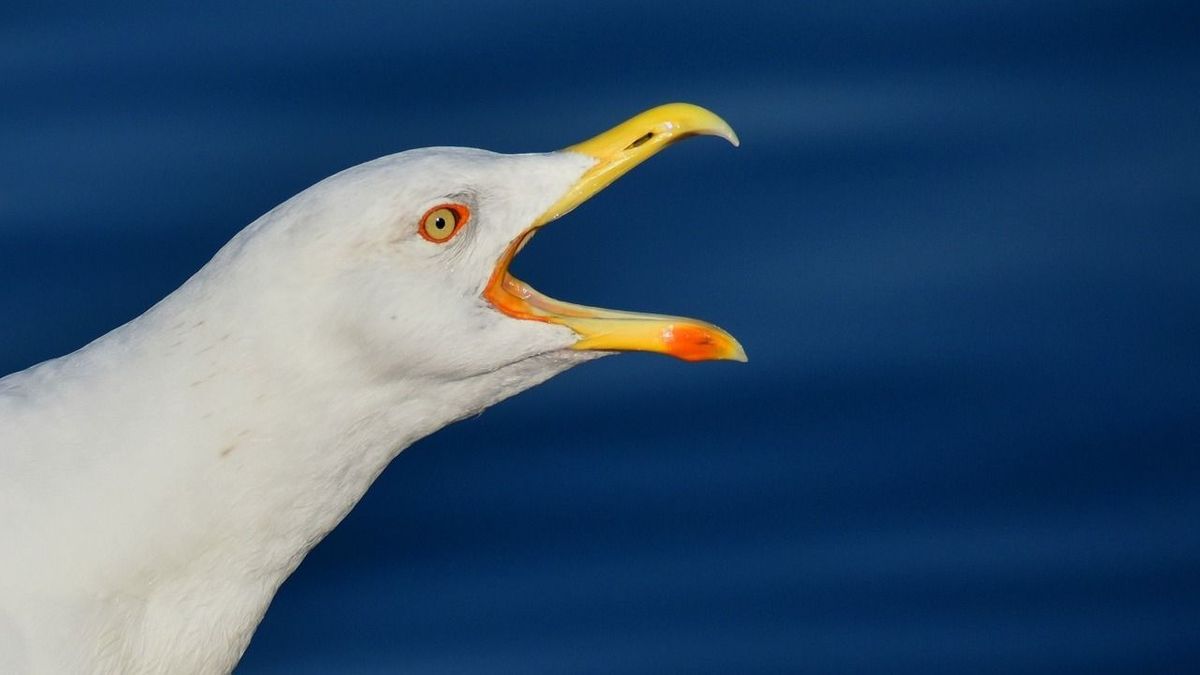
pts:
[616, 152]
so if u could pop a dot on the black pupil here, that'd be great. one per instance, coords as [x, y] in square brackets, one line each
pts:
[440, 223]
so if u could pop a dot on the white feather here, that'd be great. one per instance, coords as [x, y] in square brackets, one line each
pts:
[158, 485]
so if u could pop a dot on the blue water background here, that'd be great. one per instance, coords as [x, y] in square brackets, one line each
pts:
[960, 242]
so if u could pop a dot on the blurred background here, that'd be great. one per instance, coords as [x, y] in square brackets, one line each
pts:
[960, 242]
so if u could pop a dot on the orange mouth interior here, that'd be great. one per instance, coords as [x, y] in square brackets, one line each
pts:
[604, 329]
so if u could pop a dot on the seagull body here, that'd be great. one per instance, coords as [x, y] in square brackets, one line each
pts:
[158, 485]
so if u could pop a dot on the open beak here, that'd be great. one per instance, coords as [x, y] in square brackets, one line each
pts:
[616, 152]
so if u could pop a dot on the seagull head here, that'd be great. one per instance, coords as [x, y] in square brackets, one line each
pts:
[406, 258]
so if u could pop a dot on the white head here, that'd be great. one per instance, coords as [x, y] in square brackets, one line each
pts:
[401, 263]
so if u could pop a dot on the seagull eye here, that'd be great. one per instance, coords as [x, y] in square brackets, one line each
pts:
[443, 222]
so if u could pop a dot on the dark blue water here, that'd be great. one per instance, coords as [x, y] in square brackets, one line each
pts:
[960, 242]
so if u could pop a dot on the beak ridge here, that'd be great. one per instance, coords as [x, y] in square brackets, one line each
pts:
[617, 151]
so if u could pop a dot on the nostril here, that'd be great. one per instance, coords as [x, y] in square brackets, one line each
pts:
[641, 140]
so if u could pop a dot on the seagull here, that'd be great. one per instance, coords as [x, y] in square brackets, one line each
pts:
[159, 484]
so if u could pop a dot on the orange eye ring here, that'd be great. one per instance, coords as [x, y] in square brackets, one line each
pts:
[442, 222]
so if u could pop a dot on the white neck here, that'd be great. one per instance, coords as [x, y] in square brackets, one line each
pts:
[233, 458]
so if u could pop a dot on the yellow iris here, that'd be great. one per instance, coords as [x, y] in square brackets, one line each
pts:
[439, 224]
